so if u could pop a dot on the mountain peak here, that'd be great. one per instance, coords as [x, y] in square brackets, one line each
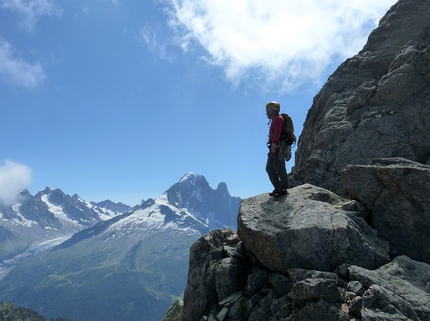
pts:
[190, 177]
[47, 190]
[206, 204]
[222, 187]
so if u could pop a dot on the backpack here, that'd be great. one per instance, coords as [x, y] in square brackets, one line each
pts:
[288, 130]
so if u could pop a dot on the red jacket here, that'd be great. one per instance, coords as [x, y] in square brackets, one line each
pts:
[275, 130]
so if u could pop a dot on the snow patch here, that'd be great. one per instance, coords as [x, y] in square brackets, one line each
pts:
[152, 220]
[21, 220]
[103, 213]
[57, 211]
[189, 177]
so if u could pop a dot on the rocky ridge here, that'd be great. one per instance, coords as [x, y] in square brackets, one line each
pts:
[349, 241]
[375, 105]
[313, 255]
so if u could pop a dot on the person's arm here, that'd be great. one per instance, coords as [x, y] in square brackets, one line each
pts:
[278, 124]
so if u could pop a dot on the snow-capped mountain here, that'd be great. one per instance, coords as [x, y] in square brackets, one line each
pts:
[189, 206]
[38, 222]
[129, 267]
[215, 208]
[52, 209]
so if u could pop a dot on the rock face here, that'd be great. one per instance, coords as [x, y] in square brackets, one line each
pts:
[402, 285]
[397, 192]
[311, 255]
[305, 230]
[398, 290]
[214, 273]
[375, 105]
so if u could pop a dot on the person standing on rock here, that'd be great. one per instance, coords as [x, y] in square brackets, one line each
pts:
[275, 167]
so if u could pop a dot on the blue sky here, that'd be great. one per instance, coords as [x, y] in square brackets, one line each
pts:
[116, 99]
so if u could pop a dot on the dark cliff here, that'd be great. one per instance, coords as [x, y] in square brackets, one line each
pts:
[375, 105]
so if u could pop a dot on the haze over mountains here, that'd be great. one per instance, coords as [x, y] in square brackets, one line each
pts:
[38, 222]
[107, 261]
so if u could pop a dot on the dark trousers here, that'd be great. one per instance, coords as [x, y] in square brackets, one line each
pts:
[277, 171]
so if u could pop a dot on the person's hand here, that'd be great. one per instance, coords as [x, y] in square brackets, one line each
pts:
[274, 148]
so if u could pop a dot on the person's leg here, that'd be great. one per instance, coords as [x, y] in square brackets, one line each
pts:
[281, 173]
[271, 172]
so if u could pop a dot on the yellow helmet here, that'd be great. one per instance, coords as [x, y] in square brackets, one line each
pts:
[274, 105]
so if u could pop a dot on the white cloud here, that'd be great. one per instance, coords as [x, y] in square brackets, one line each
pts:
[14, 178]
[14, 69]
[31, 10]
[288, 42]
[149, 37]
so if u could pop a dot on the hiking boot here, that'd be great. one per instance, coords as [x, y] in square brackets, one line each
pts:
[280, 193]
[272, 193]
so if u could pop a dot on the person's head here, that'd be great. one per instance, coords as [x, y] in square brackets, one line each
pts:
[272, 109]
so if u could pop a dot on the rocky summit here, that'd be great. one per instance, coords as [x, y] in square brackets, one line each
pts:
[375, 105]
[351, 239]
[398, 193]
[312, 255]
[308, 229]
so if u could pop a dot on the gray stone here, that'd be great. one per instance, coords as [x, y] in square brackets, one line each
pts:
[281, 308]
[253, 301]
[355, 287]
[262, 308]
[407, 279]
[230, 277]
[235, 310]
[231, 299]
[321, 311]
[201, 293]
[222, 314]
[314, 290]
[304, 230]
[397, 191]
[382, 304]
[297, 275]
[256, 281]
[280, 283]
[349, 206]
[212, 318]
[375, 105]
[342, 271]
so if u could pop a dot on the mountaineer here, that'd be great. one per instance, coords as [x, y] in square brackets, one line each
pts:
[275, 166]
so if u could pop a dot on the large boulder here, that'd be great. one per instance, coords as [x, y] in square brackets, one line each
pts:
[306, 230]
[397, 192]
[375, 105]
